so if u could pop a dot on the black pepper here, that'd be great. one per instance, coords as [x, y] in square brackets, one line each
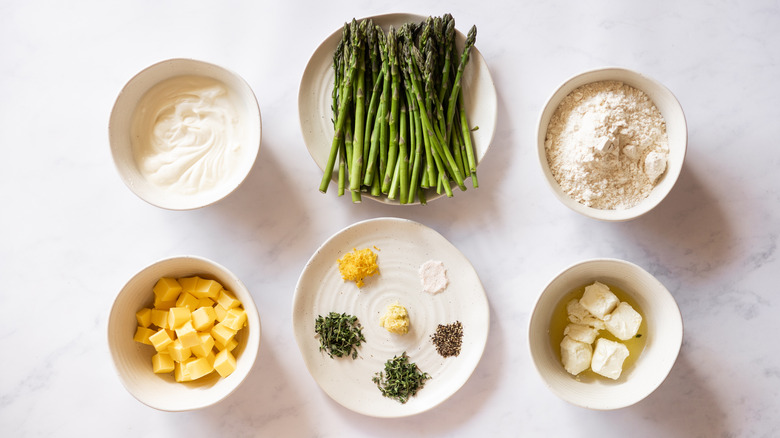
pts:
[448, 339]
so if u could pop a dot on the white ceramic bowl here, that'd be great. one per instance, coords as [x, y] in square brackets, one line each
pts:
[676, 129]
[120, 123]
[133, 360]
[314, 100]
[664, 335]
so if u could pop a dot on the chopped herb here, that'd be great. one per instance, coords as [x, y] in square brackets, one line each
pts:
[400, 379]
[340, 334]
[448, 339]
[639, 335]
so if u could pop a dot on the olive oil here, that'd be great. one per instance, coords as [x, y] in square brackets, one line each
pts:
[635, 345]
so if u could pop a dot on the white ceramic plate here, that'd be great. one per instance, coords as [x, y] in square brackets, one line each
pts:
[403, 245]
[314, 97]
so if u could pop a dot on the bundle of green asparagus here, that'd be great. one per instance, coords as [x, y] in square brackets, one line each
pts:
[398, 113]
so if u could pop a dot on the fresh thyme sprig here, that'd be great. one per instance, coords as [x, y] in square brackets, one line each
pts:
[401, 379]
[340, 334]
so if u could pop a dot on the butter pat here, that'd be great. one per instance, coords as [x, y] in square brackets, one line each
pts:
[227, 300]
[207, 289]
[188, 335]
[623, 322]
[599, 300]
[167, 289]
[235, 318]
[224, 363]
[203, 318]
[162, 363]
[142, 335]
[161, 340]
[177, 316]
[198, 368]
[608, 358]
[575, 355]
[144, 317]
[188, 300]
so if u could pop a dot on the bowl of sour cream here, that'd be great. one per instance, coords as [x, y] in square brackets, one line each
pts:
[185, 133]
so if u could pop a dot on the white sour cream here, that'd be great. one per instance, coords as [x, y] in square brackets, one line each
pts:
[186, 134]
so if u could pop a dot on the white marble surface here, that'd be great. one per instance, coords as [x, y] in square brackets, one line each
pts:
[71, 233]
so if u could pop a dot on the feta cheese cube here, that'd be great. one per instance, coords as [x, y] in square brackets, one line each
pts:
[580, 315]
[599, 300]
[623, 322]
[582, 333]
[608, 358]
[575, 355]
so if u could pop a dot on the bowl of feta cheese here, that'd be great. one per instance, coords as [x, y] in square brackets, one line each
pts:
[604, 334]
[611, 143]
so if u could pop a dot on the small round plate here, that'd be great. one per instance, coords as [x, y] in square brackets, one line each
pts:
[314, 98]
[401, 246]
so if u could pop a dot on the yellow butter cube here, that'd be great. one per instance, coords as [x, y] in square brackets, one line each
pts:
[232, 344]
[167, 289]
[163, 305]
[187, 335]
[207, 288]
[177, 316]
[162, 363]
[227, 300]
[178, 352]
[222, 333]
[205, 302]
[203, 318]
[188, 283]
[142, 335]
[160, 318]
[144, 317]
[224, 363]
[161, 340]
[211, 357]
[235, 318]
[198, 368]
[205, 346]
[187, 300]
[220, 311]
[180, 372]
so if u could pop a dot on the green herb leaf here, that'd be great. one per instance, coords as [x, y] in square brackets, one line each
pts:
[400, 379]
[340, 334]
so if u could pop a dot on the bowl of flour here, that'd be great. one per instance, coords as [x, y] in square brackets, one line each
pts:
[611, 143]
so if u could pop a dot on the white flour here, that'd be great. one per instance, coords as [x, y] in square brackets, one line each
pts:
[606, 145]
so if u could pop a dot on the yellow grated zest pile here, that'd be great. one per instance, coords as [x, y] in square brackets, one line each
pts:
[357, 265]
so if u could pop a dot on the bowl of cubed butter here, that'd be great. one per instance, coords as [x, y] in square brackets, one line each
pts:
[183, 333]
[604, 334]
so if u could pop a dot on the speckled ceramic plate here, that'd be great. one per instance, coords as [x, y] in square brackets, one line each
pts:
[314, 97]
[401, 246]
